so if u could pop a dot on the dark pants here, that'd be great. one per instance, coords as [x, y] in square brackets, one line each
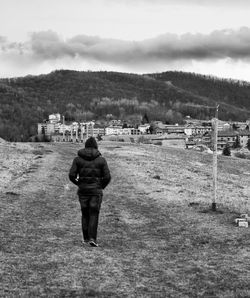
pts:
[90, 207]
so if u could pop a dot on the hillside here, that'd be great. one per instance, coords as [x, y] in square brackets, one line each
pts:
[222, 90]
[80, 96]
[157, 235]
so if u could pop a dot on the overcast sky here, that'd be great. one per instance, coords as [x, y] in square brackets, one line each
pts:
[140, 36]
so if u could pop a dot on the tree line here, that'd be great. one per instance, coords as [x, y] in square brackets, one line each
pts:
[80, 96]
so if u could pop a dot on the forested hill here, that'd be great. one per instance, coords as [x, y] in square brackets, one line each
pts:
[232, 92]
[80, 96]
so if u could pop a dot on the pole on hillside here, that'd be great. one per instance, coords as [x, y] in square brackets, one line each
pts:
[63, 129]
[215, 159]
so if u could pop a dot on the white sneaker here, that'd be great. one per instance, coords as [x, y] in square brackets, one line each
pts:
[93, 243]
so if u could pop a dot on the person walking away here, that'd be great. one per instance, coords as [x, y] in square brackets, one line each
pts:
[90, 172]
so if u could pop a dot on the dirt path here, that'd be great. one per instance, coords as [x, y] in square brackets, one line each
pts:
[155, 239]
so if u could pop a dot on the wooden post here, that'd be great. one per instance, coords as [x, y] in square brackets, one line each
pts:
[215, 160]
[63, 130]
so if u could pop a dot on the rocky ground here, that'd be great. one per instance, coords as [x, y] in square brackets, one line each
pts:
[157, 234]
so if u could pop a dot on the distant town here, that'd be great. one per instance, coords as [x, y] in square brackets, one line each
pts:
[193, 132]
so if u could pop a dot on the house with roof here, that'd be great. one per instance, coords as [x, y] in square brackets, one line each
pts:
[191, 130]
[239, 125]
[175, 129]
[118, 130]
[227, 137]
[113, 130]
[169, 129]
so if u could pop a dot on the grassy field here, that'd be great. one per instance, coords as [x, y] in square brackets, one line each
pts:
[157, 235]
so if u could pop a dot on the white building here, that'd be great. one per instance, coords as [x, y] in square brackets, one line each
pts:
[54, 118]
[196, 130]
[143, 128]
[113, 130]
[118, 130]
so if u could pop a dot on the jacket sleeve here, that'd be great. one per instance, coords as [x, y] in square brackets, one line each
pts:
[73, 172]
[106, 177]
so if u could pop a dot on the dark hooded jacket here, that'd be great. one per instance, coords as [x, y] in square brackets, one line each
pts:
[90, 171]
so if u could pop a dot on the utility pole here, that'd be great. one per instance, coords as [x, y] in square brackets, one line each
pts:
[215, 159]
[63, 129]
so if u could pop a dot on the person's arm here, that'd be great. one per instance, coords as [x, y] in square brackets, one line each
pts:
[73, 172]
[106, 177]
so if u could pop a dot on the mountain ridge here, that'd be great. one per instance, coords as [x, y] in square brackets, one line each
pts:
[87, 95]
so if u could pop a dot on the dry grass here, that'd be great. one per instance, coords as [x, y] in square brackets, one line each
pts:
[157, 236]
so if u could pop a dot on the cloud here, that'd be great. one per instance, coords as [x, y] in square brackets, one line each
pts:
[233, 44]
[3, 40]
[168, 49]
[48, 45]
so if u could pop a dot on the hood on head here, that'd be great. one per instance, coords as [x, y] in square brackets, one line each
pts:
[91, 143]
[89, 153]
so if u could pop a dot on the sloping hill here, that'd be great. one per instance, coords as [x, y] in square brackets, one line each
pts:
[92, 95]
[157, 237]
[234, 94]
